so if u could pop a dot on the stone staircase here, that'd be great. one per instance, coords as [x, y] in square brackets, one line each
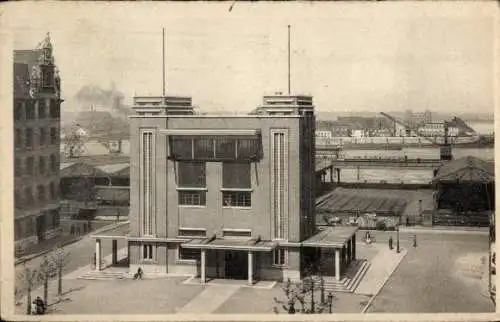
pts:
[104, 275]
[349, 281]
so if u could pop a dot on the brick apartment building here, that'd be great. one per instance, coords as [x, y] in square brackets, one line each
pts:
[37, 101]
[226, 196]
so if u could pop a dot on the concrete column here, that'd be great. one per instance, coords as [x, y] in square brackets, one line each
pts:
[97, 254]
[348, 255]
[338, 175]
[337, 264]
[353, 247]
[203, 263]
[115, 251]
[331, 174]
[250, 268]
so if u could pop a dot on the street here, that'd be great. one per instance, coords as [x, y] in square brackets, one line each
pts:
[80, 254]
[429, 279]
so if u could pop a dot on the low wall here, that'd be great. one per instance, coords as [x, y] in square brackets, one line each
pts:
[376, 185]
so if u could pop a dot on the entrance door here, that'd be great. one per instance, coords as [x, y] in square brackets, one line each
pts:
[236, 265]
[40, 227]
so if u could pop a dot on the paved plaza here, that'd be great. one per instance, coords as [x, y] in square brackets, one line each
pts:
[443, 274]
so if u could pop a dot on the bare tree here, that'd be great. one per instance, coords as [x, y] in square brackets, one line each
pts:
[298, 294]
[29, 277]
[45, 272]
[59, 259]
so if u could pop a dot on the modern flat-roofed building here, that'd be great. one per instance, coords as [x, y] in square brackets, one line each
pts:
[37, 102]
[226, 196]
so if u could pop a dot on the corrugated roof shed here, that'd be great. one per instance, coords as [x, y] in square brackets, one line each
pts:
[468, 168]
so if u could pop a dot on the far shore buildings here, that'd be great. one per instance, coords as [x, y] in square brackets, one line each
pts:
[36, 105]
[227, 196]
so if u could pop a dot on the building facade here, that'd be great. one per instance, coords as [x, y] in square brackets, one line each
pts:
[223, 196]
[37, 103]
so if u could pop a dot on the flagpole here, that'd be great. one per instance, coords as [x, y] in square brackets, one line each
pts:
[289, 58]
[163, 62]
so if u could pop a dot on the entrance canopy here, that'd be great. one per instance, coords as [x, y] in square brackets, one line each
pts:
[253, 244]
[331, 237]
[119, 232]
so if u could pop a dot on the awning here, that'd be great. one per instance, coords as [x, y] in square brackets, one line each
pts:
[230, 244]
[120, 232]
[210, 132]
[331, 237]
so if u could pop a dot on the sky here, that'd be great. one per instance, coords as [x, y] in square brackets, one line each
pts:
[382, 56]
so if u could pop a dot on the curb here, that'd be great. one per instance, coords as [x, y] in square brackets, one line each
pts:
[370, 301]
[27, 258]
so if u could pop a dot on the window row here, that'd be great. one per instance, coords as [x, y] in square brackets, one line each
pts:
[215, 148]
[41, 193]
[229, 198]
[40, 165]
[234, 175]
[36, 109]
[42, 136]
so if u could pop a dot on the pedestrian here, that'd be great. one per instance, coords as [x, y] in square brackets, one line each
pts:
[139, 273]
[390, 242]
[415, 241]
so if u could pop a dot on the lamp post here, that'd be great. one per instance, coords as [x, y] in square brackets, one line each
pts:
[330, 302]
[397, 234]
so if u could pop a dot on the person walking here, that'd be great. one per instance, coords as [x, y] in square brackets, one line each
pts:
[390, 242]
[415, 241]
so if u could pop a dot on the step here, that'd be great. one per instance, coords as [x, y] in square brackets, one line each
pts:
[102, 275]
[361, 274]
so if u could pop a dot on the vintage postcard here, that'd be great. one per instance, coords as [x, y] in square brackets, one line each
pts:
[248, 160]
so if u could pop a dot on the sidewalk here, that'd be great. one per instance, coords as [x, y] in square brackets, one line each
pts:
[446, 230]
[209, 299]
[381, 268]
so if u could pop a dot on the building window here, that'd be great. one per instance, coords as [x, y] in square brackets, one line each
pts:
[147, 182]
[280, 257]
[236, 175]
[18, 111]
[48, 76]
[192, 197]
[189, 254]
[53, 163]
[236, 198]
[237, 178]
[41, 193]
[53, 191]
[192, 232]
[191, 174]
[55, 108]
[30, 166]
[237, 233]
[30, 110]
[53, 135]
[214, 148]
[18, 140]
[192, 181]
[42, 166]
[147, 252]
[43, 136]
[279, 183]
[41, 109]
[29, 137]
[18, 168]
[28, 196]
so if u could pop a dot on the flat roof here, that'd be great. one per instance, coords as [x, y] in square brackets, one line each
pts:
[119, 232]
[230, 243]
[331, 237]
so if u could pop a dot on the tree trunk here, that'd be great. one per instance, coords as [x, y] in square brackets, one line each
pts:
[28, 306]
[46, 290]
[59, 281]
